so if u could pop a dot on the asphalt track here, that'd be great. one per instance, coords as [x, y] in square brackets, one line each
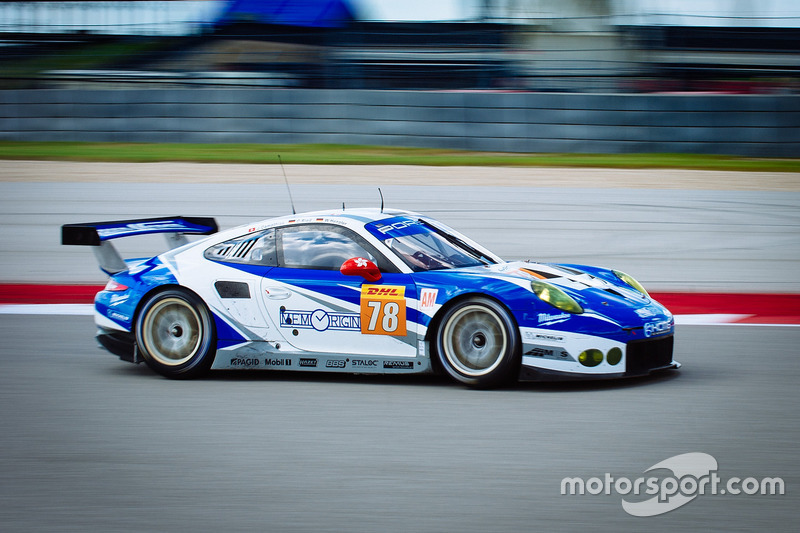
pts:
[90, 442]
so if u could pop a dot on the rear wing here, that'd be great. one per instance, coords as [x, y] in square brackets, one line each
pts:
[99, 234]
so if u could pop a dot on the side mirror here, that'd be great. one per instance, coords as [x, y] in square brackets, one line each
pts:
[358, 266]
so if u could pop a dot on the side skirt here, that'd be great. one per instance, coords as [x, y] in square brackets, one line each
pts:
[264, 356]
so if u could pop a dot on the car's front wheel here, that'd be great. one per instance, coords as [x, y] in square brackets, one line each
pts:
[477, 343]
[175, 334]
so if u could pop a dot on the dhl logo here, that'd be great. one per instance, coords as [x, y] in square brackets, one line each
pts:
[387, 291]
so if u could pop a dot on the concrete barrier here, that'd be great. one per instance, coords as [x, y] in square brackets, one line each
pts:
[749, 125]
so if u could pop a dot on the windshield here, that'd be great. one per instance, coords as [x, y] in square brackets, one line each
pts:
[423, 246]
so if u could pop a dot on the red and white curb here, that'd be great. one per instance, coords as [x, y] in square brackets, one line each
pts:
[689, 308]
[745, 309]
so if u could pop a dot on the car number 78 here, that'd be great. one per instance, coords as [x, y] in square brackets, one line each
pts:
[383, 310]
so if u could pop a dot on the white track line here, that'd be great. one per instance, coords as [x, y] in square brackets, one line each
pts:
[708, 319]
[47, 309]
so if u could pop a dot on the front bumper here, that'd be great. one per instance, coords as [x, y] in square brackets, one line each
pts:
[642, 357]
[528, 373]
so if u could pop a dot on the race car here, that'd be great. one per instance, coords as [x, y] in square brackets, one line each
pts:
[367, 291]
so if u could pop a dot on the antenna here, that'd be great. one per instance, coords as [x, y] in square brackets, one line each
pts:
[291, 201]
[381, 193]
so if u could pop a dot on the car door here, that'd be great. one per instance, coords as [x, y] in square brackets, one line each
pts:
[318, 309]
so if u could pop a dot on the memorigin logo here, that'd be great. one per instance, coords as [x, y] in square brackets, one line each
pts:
[320, 320]
[692, 475]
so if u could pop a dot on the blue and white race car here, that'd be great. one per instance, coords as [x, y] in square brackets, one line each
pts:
[366, 291]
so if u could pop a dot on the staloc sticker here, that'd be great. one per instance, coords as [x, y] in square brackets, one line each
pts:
[364, 363]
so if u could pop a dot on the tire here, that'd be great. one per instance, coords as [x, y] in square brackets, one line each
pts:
[477, 343]
[175, 334]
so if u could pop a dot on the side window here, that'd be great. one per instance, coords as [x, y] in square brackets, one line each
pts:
[252, 249]
[323, 247]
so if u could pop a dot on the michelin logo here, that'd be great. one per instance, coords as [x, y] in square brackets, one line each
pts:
[547, 319]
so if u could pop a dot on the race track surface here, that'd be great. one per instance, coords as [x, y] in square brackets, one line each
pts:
[92, 443]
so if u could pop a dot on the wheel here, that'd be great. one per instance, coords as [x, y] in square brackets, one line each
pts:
[175, 333]
[477, 343]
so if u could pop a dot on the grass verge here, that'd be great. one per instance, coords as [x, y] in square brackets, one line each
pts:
[327, 154]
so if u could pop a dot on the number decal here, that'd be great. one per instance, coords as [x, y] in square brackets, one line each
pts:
[390, 310]
[375, 305]
[383, 310]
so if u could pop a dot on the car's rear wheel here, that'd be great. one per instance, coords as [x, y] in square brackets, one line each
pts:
[175, 334]
[477, 343]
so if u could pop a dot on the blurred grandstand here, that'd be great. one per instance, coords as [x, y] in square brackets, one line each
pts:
[728, 46]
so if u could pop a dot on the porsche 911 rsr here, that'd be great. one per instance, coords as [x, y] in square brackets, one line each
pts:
[366, 291]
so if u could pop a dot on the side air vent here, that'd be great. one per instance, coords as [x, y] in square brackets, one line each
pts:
[540, 273]
[232, 289]
[234, 250]
[251, 249]
[615, 293]
[243, 248]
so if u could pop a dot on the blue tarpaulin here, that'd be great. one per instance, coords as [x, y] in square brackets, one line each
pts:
[309, 13]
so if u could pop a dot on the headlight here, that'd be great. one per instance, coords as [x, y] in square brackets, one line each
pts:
[556, 297]
[591, 357]
[628, 280]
